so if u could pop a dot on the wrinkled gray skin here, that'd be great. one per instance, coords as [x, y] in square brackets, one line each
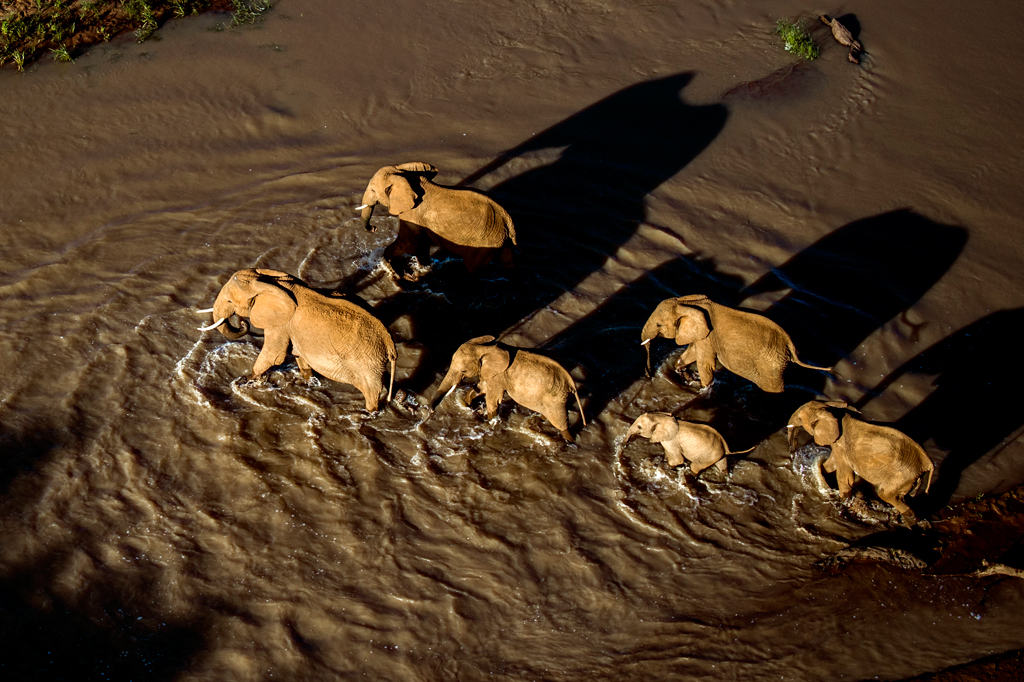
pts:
[881, 455]
[683, 440]
[337, 338]
[463, 221]
[747, 344]
[534, 381]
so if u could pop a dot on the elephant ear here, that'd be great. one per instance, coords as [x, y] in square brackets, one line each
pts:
[693, 325]
[401, 196]
[825, 428]
[424, 169]
[493, 362]
[271, 307]
[666, 428]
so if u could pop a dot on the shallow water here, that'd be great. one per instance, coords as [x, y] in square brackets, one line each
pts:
[164, 518]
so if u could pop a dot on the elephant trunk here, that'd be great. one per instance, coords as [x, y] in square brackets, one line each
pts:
[648, 334]
[451, 380]
[791, 436]
[223, 310]
[633, 431]
[365, 215]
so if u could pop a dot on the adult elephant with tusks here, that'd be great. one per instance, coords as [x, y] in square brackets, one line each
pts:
[328, 334]
[462, 221]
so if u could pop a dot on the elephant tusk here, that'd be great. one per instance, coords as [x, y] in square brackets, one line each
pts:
[644, 343]
[360, 208]
[450, 391]
[212, 326]
[204, 311]
[790, 426]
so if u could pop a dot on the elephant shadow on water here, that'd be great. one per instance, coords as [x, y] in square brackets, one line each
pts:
[842, 288]
[570, 215]
[974, 407]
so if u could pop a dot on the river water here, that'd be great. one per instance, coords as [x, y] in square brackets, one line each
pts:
[164, 518]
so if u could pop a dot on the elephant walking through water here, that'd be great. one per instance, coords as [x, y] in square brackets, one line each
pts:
[328, 334]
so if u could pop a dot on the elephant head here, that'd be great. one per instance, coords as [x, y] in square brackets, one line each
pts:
[391, 188]
[254, 294]
[659, 427]
[680, 318]
[817, 419]
[477, 358]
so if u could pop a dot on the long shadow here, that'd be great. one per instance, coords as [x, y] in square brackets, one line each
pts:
[975, 404]
[574, 212]
[57, 643]
[843, 287]
[856, 279]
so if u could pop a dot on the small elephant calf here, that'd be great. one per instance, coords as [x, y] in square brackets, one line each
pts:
[699, 443]
[884, 457]
[532, 380]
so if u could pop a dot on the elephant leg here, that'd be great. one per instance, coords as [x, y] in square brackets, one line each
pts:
[893, 497]
[830, 464]
[673, 453]
[275, 349]
[722, 465]
[493, 398]
[471, 395]
[844, 476]
[304, 369]
[370, 387]
[706, 359]
[559, 418]
[476, 259]
[689, 356]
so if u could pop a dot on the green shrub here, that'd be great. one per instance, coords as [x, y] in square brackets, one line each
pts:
[797, 39]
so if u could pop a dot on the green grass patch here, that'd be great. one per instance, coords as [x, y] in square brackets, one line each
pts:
[65, 27]
[796, 38]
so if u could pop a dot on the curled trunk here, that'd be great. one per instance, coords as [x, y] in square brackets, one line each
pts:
[224, 310]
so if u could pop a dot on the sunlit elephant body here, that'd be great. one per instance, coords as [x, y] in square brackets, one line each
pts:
[463, 221]
[747, 344]
[683, 440]
[534, 381]
[888, 459]
[328, 334]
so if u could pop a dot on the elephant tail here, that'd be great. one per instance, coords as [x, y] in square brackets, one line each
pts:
[739, 452]
[792, 355]
[580, 405]
[391, 382]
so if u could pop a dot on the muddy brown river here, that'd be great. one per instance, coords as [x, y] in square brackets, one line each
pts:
[164, 518]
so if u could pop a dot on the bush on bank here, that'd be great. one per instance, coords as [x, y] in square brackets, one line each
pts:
[30, 29]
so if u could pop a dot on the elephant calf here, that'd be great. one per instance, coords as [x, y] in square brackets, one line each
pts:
[532, 380]
[682, 440]
[884, 457]
[747, 344]
[337, 338]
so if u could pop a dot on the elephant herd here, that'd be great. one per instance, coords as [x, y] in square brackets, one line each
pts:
[345, 343]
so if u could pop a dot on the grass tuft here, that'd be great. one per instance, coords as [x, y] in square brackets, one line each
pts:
[797, 39]
[249, 11]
